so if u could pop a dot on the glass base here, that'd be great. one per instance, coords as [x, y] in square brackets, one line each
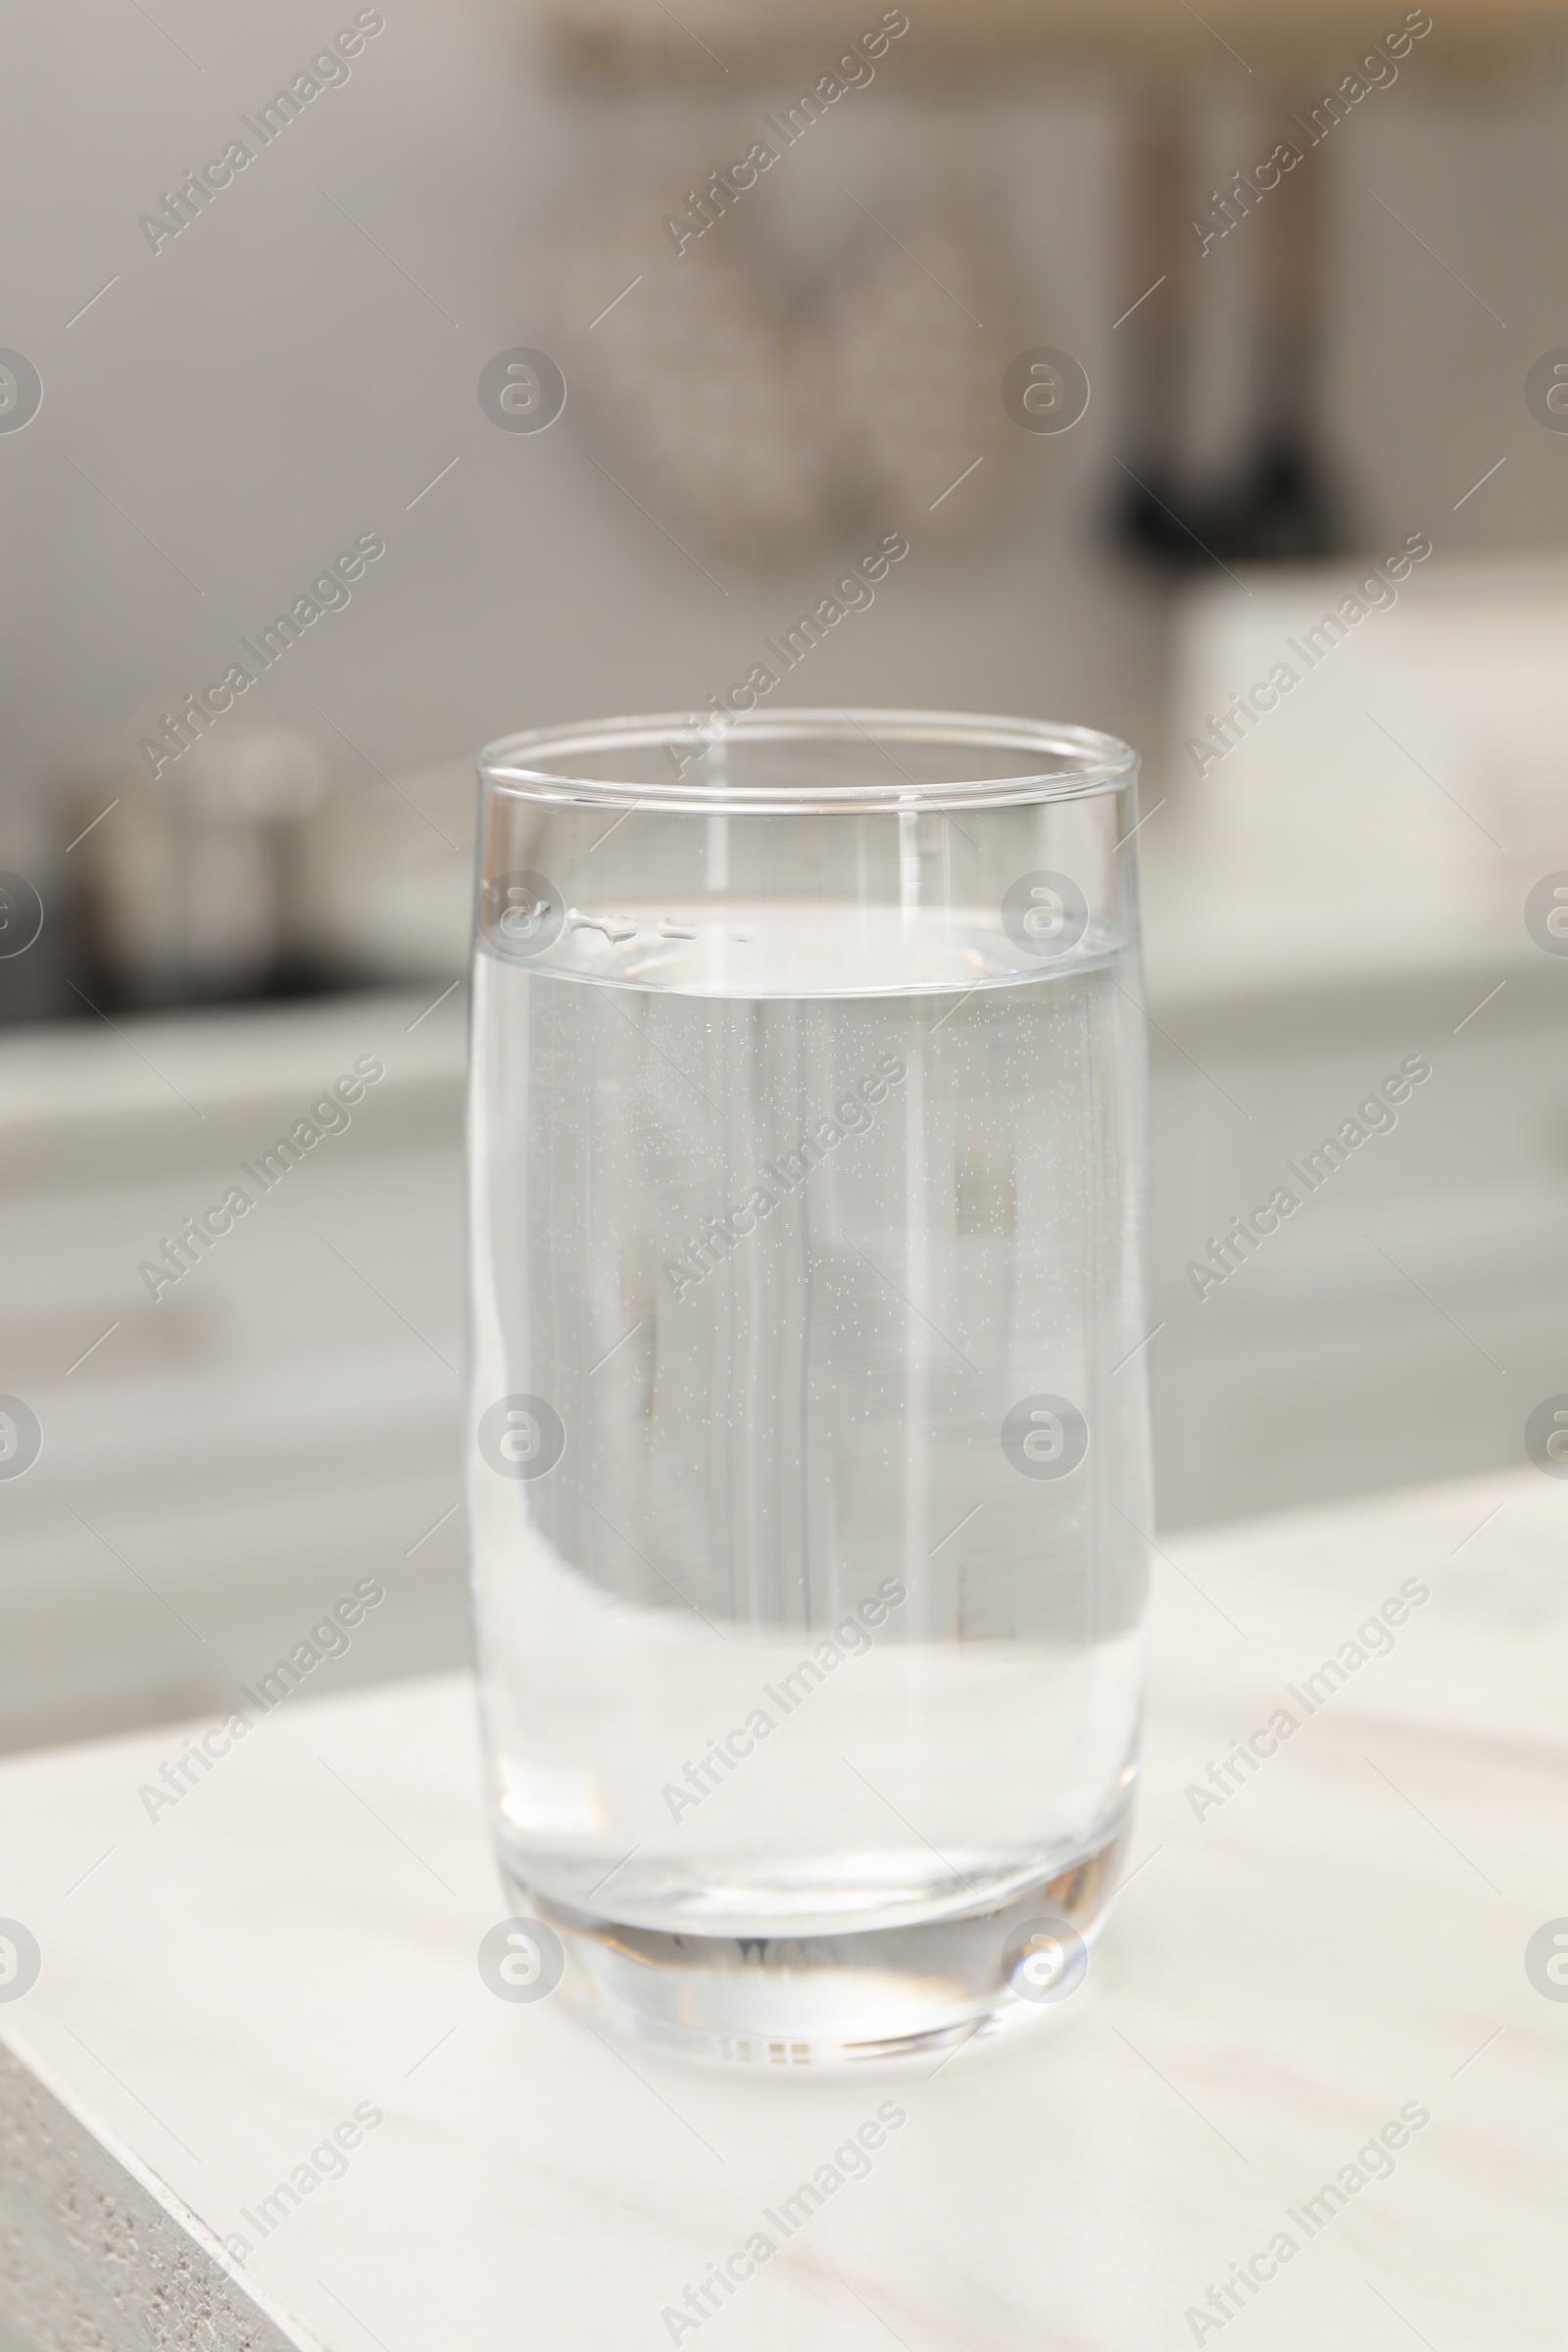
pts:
[830, 2000]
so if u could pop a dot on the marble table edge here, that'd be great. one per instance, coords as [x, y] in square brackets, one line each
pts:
[191, 2296]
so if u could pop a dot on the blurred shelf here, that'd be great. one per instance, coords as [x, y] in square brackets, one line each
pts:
[948, 41]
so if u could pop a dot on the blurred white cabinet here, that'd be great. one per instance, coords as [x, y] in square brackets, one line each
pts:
[1401, 1324]
[222, 1464]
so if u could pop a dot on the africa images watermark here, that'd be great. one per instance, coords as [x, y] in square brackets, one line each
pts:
[329, 69]
[330, 1637]
[850, 2161]
[1242, 711]
[199, 713]
[722, 1234]
[1372, 1640]
[328, 2161]
[329, 1116]
[705, 206]
[1373, 2162]
[853, 593]
[852, 1639]
[1373, 1116]
[1231, 204]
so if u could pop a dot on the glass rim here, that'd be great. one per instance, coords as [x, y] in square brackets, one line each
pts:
[530, 764]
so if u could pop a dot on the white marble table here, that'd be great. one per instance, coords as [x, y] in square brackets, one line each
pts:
[1338, 1944]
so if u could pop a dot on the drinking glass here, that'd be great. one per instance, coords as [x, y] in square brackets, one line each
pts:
[809, 1455]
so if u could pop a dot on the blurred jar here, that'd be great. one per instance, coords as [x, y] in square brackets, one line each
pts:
[198, 884]
[395, 875]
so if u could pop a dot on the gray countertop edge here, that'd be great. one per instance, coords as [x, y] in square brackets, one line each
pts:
[96, 2250]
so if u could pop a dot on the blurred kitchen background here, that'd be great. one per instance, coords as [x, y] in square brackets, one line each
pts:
[212, 393]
